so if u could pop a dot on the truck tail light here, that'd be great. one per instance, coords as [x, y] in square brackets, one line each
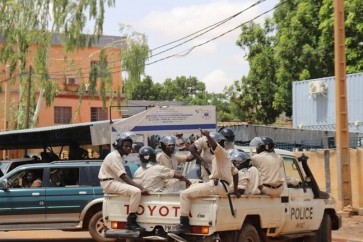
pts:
[200, 229]
[118, 225]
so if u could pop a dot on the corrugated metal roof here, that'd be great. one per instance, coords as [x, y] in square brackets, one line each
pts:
[55, 127]
[59, 135]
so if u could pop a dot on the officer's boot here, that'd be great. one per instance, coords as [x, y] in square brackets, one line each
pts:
[183, 227]
[132, 225]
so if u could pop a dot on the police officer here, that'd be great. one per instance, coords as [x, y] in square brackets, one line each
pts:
[114, 179]
[249, 181]
[269, 164]
[152, 176]
[168, 157]
[223, 173]
[202, 152]
[230, 138]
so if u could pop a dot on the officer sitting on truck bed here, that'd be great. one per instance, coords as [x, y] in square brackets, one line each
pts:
[152, 176]
[222, 174]
[249, 182]
[114, 179]
[269, 165]
[168, 157]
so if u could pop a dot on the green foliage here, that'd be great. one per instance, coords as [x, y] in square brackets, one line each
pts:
[133, 57]
[101, 72]
[187, 89]
[253, 94]
[147, 90]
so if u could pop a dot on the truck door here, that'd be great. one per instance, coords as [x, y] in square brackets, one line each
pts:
[302, 210]
[21, 202]
[67, 193]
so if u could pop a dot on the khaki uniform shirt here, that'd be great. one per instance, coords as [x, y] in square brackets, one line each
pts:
[112, 167]
[249, 180]
[269, 164]
[204, 151]
[153, 176]
[171, 162]
[222, 167]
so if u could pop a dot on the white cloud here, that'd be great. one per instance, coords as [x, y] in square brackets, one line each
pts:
[183, 20]
[216, 80]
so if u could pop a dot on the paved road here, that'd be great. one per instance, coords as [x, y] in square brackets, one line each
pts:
[45, 236]
[352, 231]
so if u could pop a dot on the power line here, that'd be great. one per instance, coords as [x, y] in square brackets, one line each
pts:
[205, 30]
[217, 37]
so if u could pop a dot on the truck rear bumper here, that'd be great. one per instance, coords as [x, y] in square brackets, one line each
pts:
[129, 234]
[122, 234]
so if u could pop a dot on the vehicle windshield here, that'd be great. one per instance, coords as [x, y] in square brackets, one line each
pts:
[4, 166]
[8, 165]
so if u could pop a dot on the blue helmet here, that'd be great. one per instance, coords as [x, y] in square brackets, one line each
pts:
[240, 160]
[217, 137]
[228, 134]
[147, 154]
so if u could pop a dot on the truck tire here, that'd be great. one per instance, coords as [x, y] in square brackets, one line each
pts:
[248, 233]
[96, 229]
[324, 231]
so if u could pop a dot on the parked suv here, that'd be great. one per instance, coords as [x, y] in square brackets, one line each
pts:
[70, 198]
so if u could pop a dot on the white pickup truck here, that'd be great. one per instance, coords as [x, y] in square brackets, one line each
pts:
[301, 213]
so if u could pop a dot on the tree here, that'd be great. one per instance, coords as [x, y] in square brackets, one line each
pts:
[353, 35]
[31, 22]
[297, 42]
[147, 90]
[183, 88]
[253, 94]
[133, 57]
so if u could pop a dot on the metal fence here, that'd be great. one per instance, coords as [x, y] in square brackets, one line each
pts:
[293, 139]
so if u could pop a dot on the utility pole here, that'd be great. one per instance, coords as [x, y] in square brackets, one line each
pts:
[27, 111]
[342, 129]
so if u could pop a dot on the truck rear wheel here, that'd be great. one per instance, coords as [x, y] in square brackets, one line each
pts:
[96, 228]
[248, 233]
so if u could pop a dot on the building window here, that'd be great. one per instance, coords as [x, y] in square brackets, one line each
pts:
[98, 114]
[62, 115]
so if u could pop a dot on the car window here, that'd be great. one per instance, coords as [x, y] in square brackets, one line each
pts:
[26, 179]
[64, 177]
[293, 177]
[94, 170]
[4, 167]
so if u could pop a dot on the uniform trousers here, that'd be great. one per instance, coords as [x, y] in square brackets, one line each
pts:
[199, 190]
[274, 192]
[124, 189]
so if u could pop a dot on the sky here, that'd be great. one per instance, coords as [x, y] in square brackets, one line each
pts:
[218, 63]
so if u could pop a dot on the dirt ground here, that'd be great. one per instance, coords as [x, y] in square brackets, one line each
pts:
[351, 230]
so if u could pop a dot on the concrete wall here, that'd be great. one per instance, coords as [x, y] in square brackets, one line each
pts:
[323, 164]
